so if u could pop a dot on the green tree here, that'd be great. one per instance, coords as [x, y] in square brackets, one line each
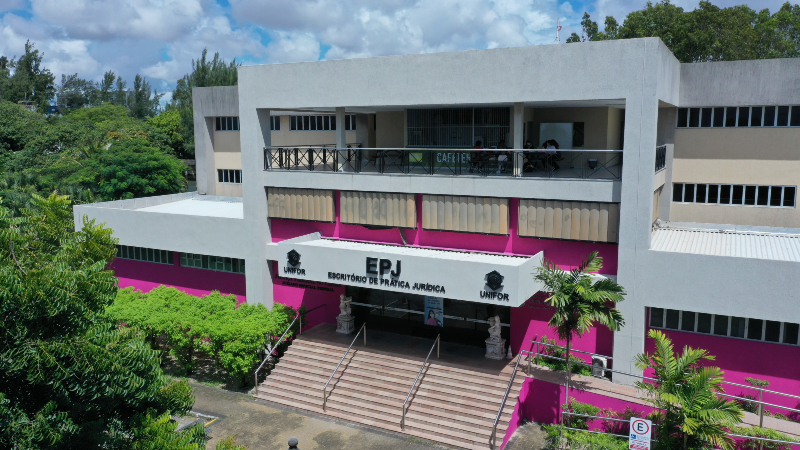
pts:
[105, 89]
[75, 92]
[99, 114]
[169, 122]
[142, 100]
[205, 73]
[18, 126]
[579, 301]
[686, 391]
[70, 378]
[31, 80]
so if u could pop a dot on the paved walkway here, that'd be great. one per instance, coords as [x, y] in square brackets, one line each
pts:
[529, 436]
[259, 425]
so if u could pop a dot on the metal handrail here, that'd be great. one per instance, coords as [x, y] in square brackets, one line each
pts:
[325, 389]
[441, 149]
[437, 344]
[269, 352]
[571, 350]
[761, 389]
[587, 365]
[503, 403]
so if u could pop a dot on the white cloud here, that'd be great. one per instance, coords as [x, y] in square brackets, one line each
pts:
[8, 5]
[293, 47]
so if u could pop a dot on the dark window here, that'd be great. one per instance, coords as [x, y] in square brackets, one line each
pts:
[219, 126]
[769, 116]
[775, 196]
[763, 196]
[688, 195]
[721, 325]
[783, 116]
[772, 332]
[320, 126]
[353, 124]
[719, 117]
[236, 123]
[738, 193]
[790, 332]
[578, 134]
[705, 119]
[730, 116]
[219, 175]
[313, 122]
[700, 194]
[744, 116]
[754, 327]
[755, 116]
[230, 123]
[683, 117]
[673, 317]
[238, 174]
[713, 193]
[795, 116]
[687, 322]
[306, 124]
[347, 122]
[333, 122]
[677, 192]
[725, 194]
[749, 195]
[788, 195]
[656, 317]
[694, 117]
[293, 124]
[737, 327]
[704, 323]
[327, 123]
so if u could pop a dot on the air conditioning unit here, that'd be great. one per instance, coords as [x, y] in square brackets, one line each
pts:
[599, 364]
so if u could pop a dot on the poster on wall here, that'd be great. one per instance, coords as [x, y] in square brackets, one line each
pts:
[434, 314]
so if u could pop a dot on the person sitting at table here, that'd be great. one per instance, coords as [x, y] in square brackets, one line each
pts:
[476, 157]
[551, 146]
[502, 156]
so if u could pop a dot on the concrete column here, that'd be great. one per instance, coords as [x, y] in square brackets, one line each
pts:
[255, 136]
[341, 140]
[518, 112]
[204, 154]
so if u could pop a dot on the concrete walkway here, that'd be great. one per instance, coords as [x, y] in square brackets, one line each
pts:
[261, 425]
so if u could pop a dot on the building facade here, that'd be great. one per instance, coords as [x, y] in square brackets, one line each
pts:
[361, 177]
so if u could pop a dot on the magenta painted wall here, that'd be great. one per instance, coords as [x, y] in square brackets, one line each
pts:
[777, 363]
[297, 293]
[145, 276]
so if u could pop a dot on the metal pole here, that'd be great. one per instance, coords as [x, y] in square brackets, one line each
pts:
[761, 408]
[438, 346]
[365, 336]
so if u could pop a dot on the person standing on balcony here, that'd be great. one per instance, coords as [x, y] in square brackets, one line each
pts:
[475, 158]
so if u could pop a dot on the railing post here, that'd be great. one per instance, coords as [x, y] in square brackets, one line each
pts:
[761, 408]
[438, 346]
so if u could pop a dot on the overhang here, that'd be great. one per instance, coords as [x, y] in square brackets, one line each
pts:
[472, 276]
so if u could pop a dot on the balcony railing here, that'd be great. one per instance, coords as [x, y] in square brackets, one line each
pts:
[569, 164]
[661, 158]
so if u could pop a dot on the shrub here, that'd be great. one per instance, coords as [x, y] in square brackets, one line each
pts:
[559, 364]
[559, 438]
[579, 408]
[753, 444]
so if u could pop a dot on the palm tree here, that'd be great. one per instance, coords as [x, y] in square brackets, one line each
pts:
[580, 300]
[686, 391]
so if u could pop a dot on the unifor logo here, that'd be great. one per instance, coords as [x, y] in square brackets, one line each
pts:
[294, 257]
[494, 280]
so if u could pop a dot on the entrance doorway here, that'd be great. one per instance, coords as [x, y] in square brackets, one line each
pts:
[457, 321]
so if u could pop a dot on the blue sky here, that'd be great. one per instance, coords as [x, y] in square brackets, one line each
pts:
[159, 38]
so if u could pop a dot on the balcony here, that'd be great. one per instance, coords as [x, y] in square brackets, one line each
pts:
[562, 164]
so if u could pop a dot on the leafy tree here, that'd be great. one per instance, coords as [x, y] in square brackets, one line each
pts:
[579, 301]
[204, 73]
[120, 96]
[46, 147]
[75, 92]
[17, 189]
[70, 378]
[99, 114]
[142, 100]
[686, 391]
[169, 122]
[105, 88]
[30, 80]
[18, 126]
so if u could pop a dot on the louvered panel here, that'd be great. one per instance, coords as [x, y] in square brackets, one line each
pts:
[301, 204]
[379, 208]
[469, 214]
[595, 222]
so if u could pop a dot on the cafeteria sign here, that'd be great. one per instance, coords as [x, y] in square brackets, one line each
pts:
[641, 430]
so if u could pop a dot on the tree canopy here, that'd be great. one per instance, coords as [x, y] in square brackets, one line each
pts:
[707, 33]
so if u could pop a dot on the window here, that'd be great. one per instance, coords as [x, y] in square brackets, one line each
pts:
[737, 327]
[657, 317]
[320, 123]
[687, 321]
[754, 329]
[229, 176]
[790, 332]
[742, 116]
[726, 194]
[673, 317]
[772, 331]
[217, 263]
[275, 123]
[227, 124]
[721, 325]
[704, 323]
[144, 254]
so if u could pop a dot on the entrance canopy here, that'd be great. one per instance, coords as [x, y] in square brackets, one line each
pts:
[477, 277]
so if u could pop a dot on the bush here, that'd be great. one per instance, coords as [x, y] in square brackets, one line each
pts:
[559, 364]
[749, 444]
[559, 438]
[212, 323]
[579, 408]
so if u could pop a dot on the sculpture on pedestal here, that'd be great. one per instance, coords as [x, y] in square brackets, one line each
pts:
[344, 305]
[345, 322]
[495, 345]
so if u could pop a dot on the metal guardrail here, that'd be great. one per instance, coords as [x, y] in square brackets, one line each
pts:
[437, 344]
[325, 389]
[493, 439]
[661, 158]
[569, 164]
[280, 339]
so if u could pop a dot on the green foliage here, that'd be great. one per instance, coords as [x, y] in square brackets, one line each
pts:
[577, 407]
[48, 145]
[707, 33]
[169, 122]
[756, 382]
[17, 126]
[558, 355]
[106, 112]
[229, 443]
[70, 378]
[686, 391]
[559, 438]
[30, 80]
[754, 444]
[212, 324]
[75, 92]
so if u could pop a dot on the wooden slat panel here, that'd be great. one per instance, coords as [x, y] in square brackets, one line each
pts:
[585, 213]
[382, 200]
[447, 201]
[575, 233]
[301, 204]
[613, 222]
[411, 210]
[532, 218]
[566, 221]
[594, 221]
[557, 218]
[522, 218]
[602, 232]
[548, 219]
[426, 211]
[540, 214]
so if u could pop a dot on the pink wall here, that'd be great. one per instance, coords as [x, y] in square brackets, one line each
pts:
[145, 276]
[296, 293]
[777, 363]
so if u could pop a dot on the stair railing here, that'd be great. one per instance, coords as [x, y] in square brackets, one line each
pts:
[280, 339]
[492, 442]
[437, 344]
[325, 389]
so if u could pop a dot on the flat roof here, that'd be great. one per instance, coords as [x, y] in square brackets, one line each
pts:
[197, 207]
[727, 242]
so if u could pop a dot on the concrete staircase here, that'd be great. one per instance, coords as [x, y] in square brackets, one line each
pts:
[450, 405]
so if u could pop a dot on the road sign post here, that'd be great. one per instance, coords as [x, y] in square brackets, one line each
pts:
[641, 431]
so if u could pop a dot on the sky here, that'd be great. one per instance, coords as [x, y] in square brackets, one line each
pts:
[159, 38]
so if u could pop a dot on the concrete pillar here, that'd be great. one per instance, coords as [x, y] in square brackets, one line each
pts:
[341, 140]
[204, 154]
[518, 112]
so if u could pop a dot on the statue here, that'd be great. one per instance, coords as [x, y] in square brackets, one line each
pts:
[494, 328]
[495, 345]
[344, 305]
